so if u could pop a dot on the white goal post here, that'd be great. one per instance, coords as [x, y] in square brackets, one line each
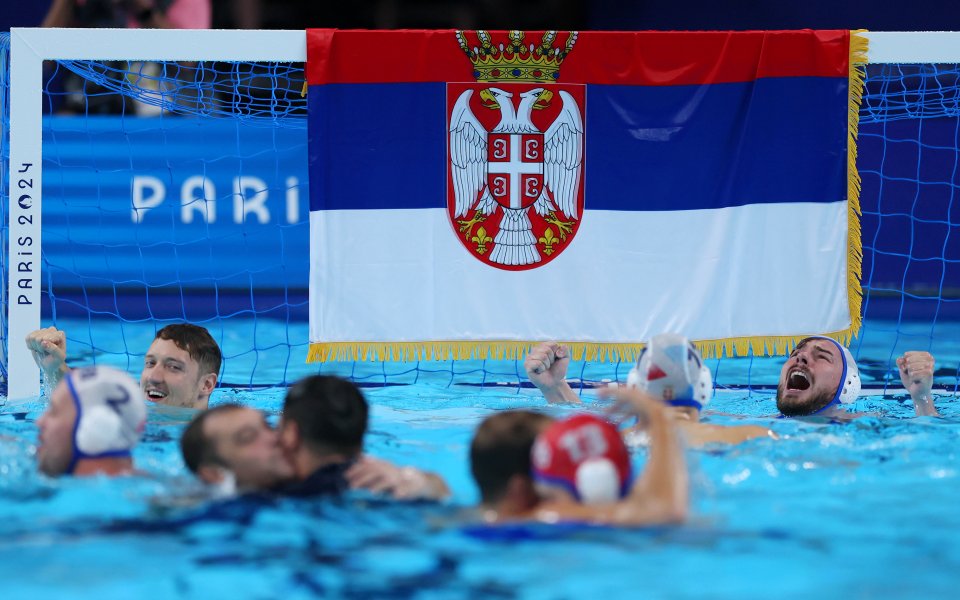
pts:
[30, 47]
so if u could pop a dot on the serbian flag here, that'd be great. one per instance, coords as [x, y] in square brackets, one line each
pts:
[474, 192]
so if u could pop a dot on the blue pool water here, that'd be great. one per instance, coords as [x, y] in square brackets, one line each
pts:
[857, 510]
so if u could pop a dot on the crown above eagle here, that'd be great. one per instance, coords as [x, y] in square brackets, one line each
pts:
[516, 60]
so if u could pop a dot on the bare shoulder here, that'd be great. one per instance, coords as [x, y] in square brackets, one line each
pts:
[571, 512]
[701, 434]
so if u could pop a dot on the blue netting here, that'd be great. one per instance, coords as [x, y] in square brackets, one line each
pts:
[177, 192]
[895, 92]
[212, 158]
[909, 149]
[256, 93]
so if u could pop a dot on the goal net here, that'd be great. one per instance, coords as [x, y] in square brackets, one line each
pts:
[151, 177]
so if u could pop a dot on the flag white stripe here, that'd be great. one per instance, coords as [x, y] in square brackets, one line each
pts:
[757, 270]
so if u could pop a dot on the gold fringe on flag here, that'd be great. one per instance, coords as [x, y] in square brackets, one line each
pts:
[517, 350]
[459, 350]
[857, 73]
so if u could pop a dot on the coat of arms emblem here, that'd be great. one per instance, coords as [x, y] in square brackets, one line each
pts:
[515, 155]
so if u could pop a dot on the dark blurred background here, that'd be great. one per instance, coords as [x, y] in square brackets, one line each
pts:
[882, 15]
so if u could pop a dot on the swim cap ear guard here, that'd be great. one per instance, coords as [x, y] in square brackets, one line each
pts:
[670, 368]
[585, 456]
[111, 413]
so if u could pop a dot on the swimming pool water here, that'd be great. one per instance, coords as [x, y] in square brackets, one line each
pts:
[857, 510]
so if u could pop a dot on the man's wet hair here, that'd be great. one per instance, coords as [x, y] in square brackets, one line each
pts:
[197, 342]
[198, 449]
[330, 412]
[501, 449]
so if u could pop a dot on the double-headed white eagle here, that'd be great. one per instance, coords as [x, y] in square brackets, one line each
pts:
[515, 243]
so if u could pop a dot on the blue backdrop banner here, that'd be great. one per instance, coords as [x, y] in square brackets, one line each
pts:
[194, 208]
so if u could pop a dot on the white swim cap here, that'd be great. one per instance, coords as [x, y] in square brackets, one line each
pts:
[670, 368]
[111, 412]
[849, 388]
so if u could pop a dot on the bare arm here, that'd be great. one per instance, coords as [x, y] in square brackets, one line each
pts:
[546, 367]
[700, 434]
[660, 496]
[402, 483]
[661, 493]
[916, 373]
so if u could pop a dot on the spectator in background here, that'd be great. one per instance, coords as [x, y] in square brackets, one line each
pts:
[86, 96]
[158, 14]
[239, 14]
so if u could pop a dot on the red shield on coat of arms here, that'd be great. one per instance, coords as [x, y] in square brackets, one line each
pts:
[515, 170]
[515, 150]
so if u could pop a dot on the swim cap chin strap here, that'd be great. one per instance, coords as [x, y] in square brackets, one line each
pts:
[100, 431]
[849, 388]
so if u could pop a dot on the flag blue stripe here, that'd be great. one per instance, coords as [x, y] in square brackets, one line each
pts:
[383, 146]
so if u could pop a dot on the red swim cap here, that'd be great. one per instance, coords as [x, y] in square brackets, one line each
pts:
[586, 456]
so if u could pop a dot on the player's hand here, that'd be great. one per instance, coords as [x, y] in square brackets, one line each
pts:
[382, 477]
[546, 365]
[916, 372]
[49, 349]
[631, 402]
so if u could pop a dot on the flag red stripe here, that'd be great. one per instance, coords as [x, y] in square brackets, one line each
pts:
[614, 58]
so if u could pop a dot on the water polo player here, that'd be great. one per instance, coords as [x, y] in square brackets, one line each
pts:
[670, 369]
[95, 418]
[180, 368]
[810, 380]
[817, 378]
[504, 465]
